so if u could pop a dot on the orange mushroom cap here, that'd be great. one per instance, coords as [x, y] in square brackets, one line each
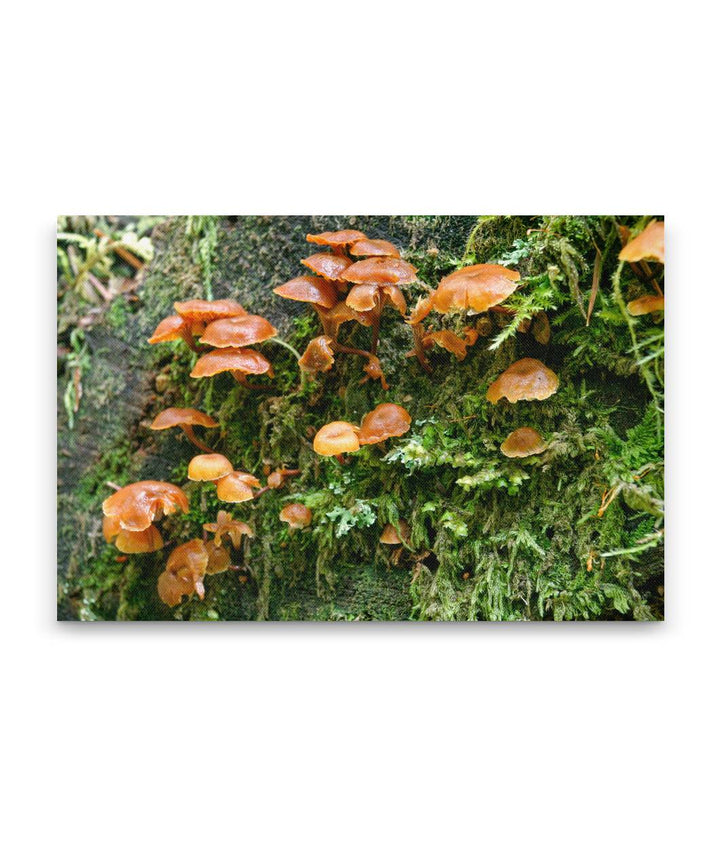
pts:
[236, 487]
[448, 340]
[328, 265]
[380, 269]
[526, 380]
[237, 332]
[111, 528]
[421, 311]
[309, 289]
[386, 420]
[174, 416]
[147, 541]
[391, 535]
[244, 360]
[364, 298]
[296, 515]
[186, 566]
[336, 239]
[209, 467]
[208, 310]
[477, 287]
[318, 356]
[649, 244]
[226, 525]
[336, 438]
[168, 330]
[647, 304]
[136, 505]
[522, 443]
[171, 588]
[374, 247]
[218, 558]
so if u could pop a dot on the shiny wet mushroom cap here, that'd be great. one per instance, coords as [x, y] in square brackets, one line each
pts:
[238, 332]
[649, 244]
[169, 329]
[237, 487]
[335, 438]
[209, 467]
[449, 341]
[206, 311]
[218, 558]
[148, 541]
[380, 270]
[135, 506]
[296, 515]
[318, 356]
[184, 418]
[374, 247]
[243, 360]
[526, 380]
[309, 289]
[327, 265]
[647, 304]
[386, 420]
[477, 287]
[522, 443]
[184, 572]
[391, 535]
[336, 239]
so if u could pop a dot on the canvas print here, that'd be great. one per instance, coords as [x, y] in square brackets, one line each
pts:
[360, 418]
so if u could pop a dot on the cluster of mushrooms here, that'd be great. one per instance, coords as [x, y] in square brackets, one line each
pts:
[353, 281]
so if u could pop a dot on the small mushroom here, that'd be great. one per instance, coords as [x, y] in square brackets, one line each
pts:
[186, 566]
[335, 438]
[374, 247]
[218, 558]
[477, 287]
[209, 467]
[238, 361]
[318, 356]
[417, 316]
[393, 536]
[448, 340]
[337, 240]
[238, 332]
[184, 418]
[525, 380]
[386, 420]
[327, 265]
[227, 526]
[136, 506]
[540, 328]
[237, 487]
[148, 541]
[380, 270]
[647, 304]
[522, 443]
[277, 477]
[205, 311]
[296, 515]
[321, 294]
[649, 244]
[172, 328]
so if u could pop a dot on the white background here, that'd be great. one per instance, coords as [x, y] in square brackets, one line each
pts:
[359, 739]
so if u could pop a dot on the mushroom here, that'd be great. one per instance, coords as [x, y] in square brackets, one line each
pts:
[522, 443]
[184, 418]
[172, 328]
[218, 558]
[186, 566]
[198, 313]
[649, 244]
[337, 240]
[320, 293]
[318, 356]
[374, 247]
[477, 287]
[540, 328]
[422, 309]
[386, 420]
[277, 477]
[209, 467]
[448, 340]
[526, 380]
[238, 361]
[237, 487]
[327, 265]
[380, 270]
[136, 506]
[238, 332]
[296, 515]
[335, 438]
[646, 304]
[226, 525]
[148, 541]
[393, 536]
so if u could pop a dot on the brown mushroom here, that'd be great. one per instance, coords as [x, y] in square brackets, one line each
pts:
[238, 361]
[227, 526]
[136, 506]
[649, 244]
[336, 240]
[147, 541]
[318, 356]
[646, 304]
[296, 515]
[394, 536]
[335, 438]
[218, 558]
[540, 328]
[327, 265]
[526, 380]
[321, 294]
[522, 443]
[477, 287]
[172, 328]
[237, 487]
[186, 566]
[448, 340]
[276, 478]
[238, 332]
[380, 270]
[422, 309]
[201, 312]
[374, 247]
[386, 420]
[184, 418]
[209, 467]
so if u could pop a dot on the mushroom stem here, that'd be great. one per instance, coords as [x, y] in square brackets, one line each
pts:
[377, 312]
[261, 491]
[189, 341]
[286, 345]
[418, 333]
[190, 434]
[341, 459]
[242, 380]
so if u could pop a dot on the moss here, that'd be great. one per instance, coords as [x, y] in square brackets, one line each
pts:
[491, 538]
